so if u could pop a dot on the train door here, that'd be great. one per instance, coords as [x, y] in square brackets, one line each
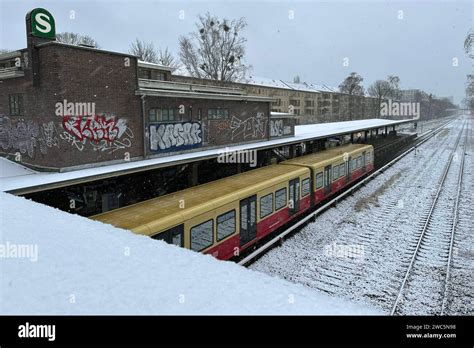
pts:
[294, 196]
[327, 179]
[348, 169]
[363, 161]
[248, 219]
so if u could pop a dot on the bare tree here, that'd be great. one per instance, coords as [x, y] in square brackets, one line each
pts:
[394, 82]
[216, 50]
[144, 50]
[380, 89]
[468, 43]
[76, 39]
[352, 86]
[166, 58]
[296, 79]
[4, 50]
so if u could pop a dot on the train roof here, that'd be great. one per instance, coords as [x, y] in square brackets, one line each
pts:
[159, 213]
[322, 158]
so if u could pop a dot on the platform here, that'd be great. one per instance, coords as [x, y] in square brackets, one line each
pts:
[19, 180]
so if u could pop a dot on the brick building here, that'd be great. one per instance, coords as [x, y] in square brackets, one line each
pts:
[65, 107]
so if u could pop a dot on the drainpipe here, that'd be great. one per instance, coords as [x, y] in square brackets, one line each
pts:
[145, 129]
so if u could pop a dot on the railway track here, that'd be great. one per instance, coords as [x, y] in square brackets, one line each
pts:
[377, 275]
[268, 244]
[426, 279]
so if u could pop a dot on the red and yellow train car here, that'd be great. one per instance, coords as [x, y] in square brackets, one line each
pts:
[227, 216]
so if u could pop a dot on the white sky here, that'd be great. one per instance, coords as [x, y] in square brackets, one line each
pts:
[420, 48]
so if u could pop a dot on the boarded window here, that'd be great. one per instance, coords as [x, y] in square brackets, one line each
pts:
[305, 187]
[225, 225]
[266, 205]
[202, 235]
[280, 199]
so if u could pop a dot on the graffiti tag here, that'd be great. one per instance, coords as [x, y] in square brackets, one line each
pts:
[175, 136]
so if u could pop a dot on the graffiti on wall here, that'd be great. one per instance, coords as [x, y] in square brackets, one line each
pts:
[278, 129]
[104, 133]
[251, 127]
[26, 136]
[175, 136]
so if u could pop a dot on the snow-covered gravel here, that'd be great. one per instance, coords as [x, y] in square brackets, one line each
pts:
[361, 248]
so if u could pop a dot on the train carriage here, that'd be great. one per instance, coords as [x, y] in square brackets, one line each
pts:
[222, 217]
[227, 216]
[335, 168]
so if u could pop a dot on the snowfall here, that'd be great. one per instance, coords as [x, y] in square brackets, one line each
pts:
[53, 262]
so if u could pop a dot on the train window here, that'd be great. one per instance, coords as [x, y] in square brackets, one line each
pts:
[335, 173]
[354, 164]
[359, 162]
[280, 198]
[342, 170]
[266, 205]
[319, 180]
[172, 236]
[202, 235]
[367, 157]
[305, 187]
[225, 225]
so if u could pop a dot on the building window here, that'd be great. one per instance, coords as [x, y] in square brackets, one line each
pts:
[215, 114]
[266, 205]
[280, 198]
[16, 104]
[202, 235]
[225, 225]
[319, 180]
[162, 115]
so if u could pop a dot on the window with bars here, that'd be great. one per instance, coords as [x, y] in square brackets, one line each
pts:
[16, 106]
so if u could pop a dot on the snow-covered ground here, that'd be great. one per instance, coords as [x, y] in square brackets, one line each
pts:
[361, 249]
[73, 265]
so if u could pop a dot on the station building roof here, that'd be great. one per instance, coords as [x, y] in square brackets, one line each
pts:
[32, 181]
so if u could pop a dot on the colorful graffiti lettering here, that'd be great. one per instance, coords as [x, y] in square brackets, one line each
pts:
[94, 128]
[175, 136]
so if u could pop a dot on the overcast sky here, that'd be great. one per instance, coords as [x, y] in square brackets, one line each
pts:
[419, 41]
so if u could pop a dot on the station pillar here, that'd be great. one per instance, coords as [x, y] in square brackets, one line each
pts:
[194, 174]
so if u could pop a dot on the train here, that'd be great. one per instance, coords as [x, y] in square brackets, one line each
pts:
[228, 216]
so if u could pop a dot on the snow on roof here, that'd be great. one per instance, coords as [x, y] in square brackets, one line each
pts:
[143, 64]
[275, 83]
[302, 133]
[12, 169]
[112, 271]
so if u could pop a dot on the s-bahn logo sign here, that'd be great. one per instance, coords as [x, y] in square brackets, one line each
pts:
[42, 24]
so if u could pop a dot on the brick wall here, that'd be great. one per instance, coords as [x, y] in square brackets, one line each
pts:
[43, 139]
